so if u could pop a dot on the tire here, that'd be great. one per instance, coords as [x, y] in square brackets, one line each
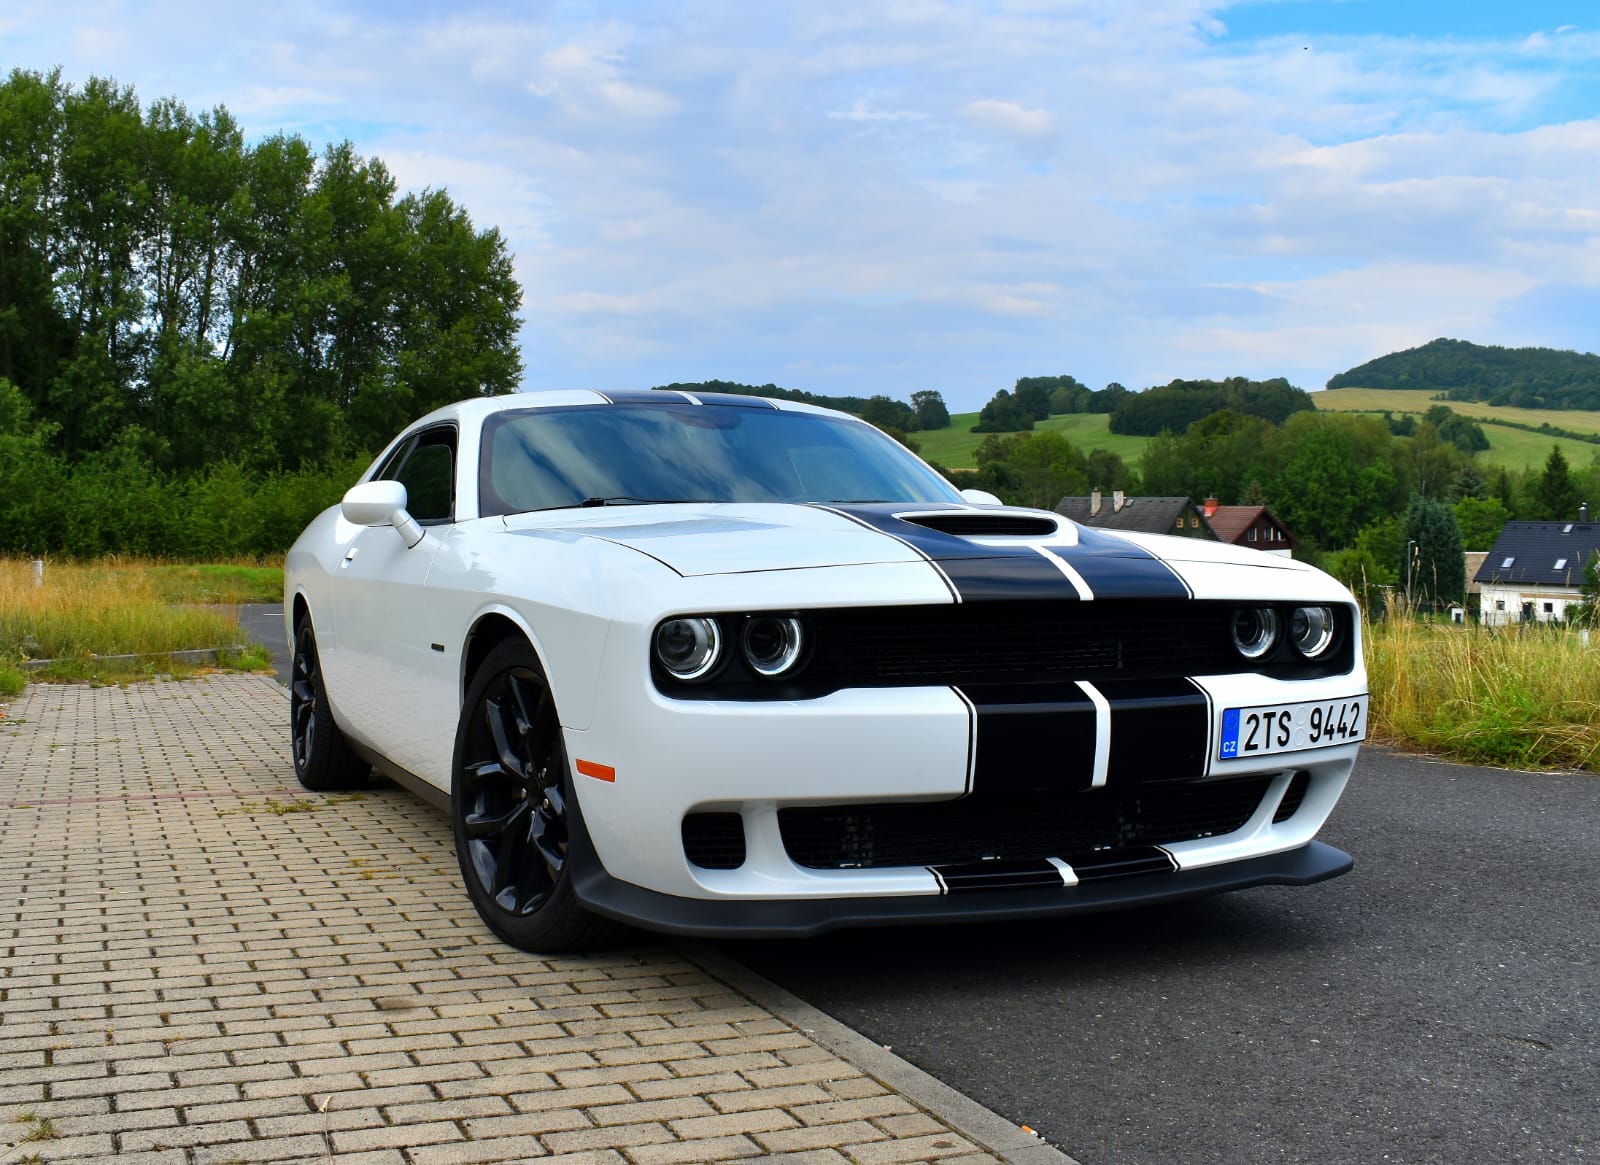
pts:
[510, 793]
[323, 758]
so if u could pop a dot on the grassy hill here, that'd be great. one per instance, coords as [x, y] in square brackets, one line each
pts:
[954, 447]
[1513, 448]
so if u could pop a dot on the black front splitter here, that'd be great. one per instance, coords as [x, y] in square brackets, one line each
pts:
[803, 918]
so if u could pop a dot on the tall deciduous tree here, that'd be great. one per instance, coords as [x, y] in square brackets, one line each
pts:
[168, 292]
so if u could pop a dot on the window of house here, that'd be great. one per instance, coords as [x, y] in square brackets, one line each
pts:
[1506, 565]
[1561, 564]
[1549, 607]
[1499, 604]
[1252, 535]
[1567, 529]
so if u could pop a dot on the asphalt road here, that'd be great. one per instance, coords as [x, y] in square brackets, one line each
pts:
[1439, 1004]
[263, 622]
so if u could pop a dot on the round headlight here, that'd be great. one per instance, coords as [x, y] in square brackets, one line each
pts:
[772, 644]
[1311, 630]
[690, 647]
[1255, 631]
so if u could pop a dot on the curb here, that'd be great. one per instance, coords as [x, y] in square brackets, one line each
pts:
[989, 1130]
[192, 655]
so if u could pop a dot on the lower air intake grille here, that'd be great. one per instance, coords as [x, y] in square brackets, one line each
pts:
[714, 841]
[977, 828]
[1292, 796]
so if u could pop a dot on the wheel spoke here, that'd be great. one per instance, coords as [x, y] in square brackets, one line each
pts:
[550, 838]
[511, 850]
[490, 824]
[505, 746]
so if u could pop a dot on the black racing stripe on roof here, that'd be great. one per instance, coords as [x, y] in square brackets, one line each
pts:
[729, 400]
[640, 396]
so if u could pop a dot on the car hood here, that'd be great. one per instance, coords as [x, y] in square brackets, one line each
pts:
[979, 552]
[696, 539]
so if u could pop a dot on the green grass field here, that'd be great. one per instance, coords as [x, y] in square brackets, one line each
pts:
[1513, 448]
[954, 447]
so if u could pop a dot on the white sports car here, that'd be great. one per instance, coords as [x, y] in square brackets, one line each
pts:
[725, 665]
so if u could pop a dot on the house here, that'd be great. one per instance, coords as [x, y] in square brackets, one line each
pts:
[1169, 515]
[1254, 526]
[1535, 570]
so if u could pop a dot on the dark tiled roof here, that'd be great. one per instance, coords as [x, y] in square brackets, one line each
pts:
[1534, 548]
[1141, 515]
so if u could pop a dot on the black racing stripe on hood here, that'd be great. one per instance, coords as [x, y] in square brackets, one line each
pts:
[1117, 569]
[975, 572]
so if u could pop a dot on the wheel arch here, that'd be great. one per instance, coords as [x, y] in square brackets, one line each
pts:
[492, 628]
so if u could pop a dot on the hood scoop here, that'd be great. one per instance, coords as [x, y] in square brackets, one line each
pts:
[975, 524]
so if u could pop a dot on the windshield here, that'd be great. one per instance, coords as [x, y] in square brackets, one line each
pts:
[549, 458]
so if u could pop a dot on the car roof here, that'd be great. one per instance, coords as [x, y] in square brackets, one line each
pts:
[477, 408]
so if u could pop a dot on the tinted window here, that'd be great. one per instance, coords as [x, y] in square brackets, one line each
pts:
[538, 459]
[427, 470]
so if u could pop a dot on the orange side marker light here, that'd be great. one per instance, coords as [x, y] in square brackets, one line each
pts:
[588, 768]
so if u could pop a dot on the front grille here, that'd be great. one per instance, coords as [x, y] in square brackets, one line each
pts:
[978, 828]
[1001, 642]
[714, 841]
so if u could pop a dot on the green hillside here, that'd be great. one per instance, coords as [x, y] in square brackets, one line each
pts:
[1537, 378]
[1513, 448]
[954, 447]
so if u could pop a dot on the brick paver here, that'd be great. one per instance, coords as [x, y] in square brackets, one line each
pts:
[200, 963]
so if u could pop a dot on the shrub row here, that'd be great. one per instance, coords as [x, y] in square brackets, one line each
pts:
[118, 502]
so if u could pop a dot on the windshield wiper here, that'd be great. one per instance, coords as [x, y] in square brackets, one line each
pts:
[627, 501]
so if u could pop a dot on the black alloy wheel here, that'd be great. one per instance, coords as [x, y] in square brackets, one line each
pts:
[510, 807]
[323, 759]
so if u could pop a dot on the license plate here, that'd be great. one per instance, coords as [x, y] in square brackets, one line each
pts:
[1275, 728]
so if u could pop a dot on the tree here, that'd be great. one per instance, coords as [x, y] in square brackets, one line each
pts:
[1330, 475]
[160, 278]
[1033, 398]
[888, 414]
[1003, 414]
[930, 409]
[1030, 469]
[1480, 521]
[1555, 494]
[1433, 569]
[1586, 612]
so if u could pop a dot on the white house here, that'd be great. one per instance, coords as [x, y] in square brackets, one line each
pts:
[1535, 570]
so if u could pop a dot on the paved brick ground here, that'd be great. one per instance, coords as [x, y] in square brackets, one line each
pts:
[200, 964]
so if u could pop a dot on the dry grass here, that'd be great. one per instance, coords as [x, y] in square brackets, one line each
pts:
[109, 607]
[1521, 697]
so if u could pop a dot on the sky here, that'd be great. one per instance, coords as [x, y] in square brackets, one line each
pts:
[887, 196]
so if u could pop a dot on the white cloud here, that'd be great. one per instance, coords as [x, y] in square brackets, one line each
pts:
[1010, 119]
[927, 193]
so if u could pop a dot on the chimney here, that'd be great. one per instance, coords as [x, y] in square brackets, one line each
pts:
[1094, 504]
[1117, 501]
[1211, 507]
[1583, 512]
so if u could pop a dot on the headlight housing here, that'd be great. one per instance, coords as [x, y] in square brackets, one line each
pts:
[1255, 631]
[772, 644]
[689, 647]
[1311, 630]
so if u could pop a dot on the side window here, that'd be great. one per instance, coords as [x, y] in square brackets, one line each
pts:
[427, 468]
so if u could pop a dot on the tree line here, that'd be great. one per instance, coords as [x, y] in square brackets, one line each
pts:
[173, 300]
[1531, 378]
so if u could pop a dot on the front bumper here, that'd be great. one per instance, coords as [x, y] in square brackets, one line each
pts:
[803, 918]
